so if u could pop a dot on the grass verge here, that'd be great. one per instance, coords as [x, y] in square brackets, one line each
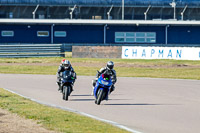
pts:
[52, 118]
[177, 69]
[175, 73]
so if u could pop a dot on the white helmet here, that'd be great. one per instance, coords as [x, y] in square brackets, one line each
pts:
[66, 64]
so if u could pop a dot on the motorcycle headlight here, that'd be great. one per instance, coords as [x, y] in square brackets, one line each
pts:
[104, 82]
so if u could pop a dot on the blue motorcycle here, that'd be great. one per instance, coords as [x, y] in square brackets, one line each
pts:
[102, 88]
[67, 81]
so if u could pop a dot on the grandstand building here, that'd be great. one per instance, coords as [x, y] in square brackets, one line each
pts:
[101, 9]
[101, 22]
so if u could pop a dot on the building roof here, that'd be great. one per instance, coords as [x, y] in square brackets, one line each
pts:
[99, 22]
[100, 2]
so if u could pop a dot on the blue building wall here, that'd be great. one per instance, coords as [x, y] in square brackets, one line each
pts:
[75, 34]
[80, 34]
[184, 35]
[25, 34]
[94, 34]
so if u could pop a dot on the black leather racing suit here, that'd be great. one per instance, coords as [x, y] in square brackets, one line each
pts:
[62, 69]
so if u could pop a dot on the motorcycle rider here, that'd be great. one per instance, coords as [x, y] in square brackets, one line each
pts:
[109, 70]
[65, 65]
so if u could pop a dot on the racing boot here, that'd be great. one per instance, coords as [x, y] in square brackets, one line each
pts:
[59, 88]
[93, 84]
[111, 89]
[92, 94]
[72, 86]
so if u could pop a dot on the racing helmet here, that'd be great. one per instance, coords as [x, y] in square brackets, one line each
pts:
[110, 65]
[62, 61]
[66, 64]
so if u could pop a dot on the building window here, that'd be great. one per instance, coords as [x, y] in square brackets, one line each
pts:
[135, 37]
[60, 34]
[43, 34]
[7, 33]
[151, 37]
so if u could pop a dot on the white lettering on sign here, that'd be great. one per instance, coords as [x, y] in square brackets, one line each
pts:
[178, 53]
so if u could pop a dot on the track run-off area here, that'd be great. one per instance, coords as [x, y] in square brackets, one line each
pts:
[142, 105]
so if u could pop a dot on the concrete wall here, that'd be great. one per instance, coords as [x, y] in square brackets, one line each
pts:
[96, 51]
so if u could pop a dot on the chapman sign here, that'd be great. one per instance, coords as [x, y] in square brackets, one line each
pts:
[177, 53]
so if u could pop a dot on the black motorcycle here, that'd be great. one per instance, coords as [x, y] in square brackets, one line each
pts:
[67, 80]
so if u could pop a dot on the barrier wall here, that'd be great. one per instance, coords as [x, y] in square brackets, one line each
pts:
[96, 51]
[136, 52]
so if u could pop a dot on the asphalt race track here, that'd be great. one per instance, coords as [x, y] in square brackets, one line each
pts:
[143, 104]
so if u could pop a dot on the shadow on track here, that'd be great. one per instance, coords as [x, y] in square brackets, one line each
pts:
[82, 100]
[117, 99]
[139, 104]
[81, 95]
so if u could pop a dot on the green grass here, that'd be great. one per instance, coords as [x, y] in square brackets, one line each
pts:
[124, 67]
[176, 73]
[29, 69]
[95, 60]
[53, 118]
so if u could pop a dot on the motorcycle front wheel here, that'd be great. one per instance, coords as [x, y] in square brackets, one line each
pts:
[66, 92]
[99, 96]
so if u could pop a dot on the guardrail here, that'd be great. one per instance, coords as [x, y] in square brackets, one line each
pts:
[31, 50]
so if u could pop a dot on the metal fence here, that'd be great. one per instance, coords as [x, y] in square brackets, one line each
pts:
[31, 50]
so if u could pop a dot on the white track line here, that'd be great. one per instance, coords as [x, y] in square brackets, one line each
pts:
[78, 112]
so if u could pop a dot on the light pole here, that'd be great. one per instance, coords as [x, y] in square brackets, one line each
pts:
[173, 4]
[108, 13]
[35, 11]
[72, 10]
[145, 13]
[122, 9]
[182, 13]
